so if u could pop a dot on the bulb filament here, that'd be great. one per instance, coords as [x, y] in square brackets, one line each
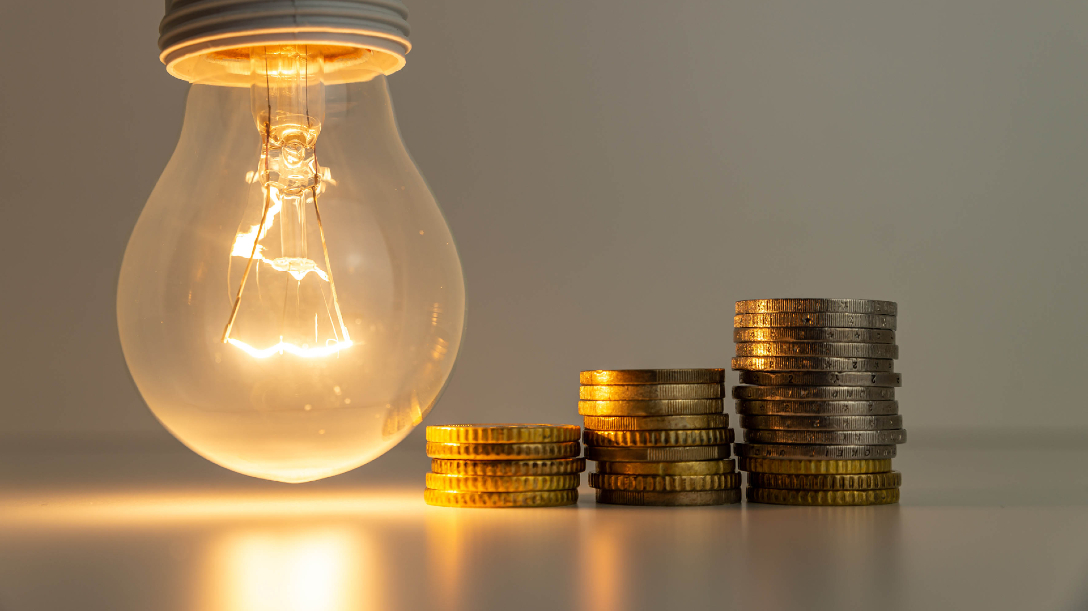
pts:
[290, 180]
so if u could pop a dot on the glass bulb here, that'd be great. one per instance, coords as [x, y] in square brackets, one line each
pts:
[291, 301]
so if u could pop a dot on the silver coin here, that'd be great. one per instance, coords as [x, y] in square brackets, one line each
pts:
[822, 423]
[815, 319]
[814, 334]
[810, 363]
[815, 393]
[837, 349]
[820, 378]
[859, 438]
[854, 306]
[817, 408]
[658, 454]
[815, 452]
[606, 377]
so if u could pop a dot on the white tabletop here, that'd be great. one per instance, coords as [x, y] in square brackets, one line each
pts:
[985, 523]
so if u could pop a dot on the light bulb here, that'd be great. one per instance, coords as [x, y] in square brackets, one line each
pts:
[291, 302]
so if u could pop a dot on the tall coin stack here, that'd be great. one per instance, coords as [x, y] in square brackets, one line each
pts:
[659, 436]
[817, 401]
[503, 465]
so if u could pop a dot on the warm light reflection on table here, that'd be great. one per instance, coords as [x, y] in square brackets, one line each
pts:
[162, 508]
[321, 569]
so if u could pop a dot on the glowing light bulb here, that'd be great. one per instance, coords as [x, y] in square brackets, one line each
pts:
[291, 301]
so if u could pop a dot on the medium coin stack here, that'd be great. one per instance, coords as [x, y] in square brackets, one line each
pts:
[659, 436]
[503, 465]
[817, 400]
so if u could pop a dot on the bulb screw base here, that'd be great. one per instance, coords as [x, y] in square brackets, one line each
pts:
[208, 41]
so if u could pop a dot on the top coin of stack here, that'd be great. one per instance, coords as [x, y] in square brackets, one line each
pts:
[503, 465]
[659, 436]
[819, 414]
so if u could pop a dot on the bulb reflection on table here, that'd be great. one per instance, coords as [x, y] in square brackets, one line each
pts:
[325, 569]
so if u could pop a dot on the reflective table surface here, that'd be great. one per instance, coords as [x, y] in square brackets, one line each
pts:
[997, 522]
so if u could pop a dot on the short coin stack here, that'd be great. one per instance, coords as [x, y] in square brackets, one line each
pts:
[503, 465]
[817, 401]
[659, 436]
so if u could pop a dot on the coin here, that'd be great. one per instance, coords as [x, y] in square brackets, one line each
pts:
[865, 481]
[817, 467]
[509, 467]
[810, 363]
[502, 451]
[814, 334]
[815, 452]
[817, 408]
[825, 423]
[658, 454]
[503, 433]
[656, 423]
[660, 407]
[538, 498]
[607, 377]
[697, 437]
[644, 392]
[836, 349]
[664, 483]
[816, 319]
[814, 393]
[694, 467]
[827, 437]
[856, 306]
[820, 378]
[823, 497]
[704, 497]
[507, 483]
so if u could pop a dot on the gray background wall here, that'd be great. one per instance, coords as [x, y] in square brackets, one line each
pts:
[617, 174]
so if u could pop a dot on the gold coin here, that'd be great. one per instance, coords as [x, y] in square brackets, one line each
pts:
[505, 468]
[816, 467]
[693, 467]
[823, 497]
[665, 407]
[656, 423]
[672, 499]
[858, 438]
[844, 350]
[861, 481]
[814, 393]
[608, 377]
[813, 334]
[658, 454]
[697, 437]
[810, 363]
[539, 498]
[825, 423]
[636, 392]
[664, 483]
[503, 451]
[855, 306]
[503, 433]
[507, 483]
[816, 319]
